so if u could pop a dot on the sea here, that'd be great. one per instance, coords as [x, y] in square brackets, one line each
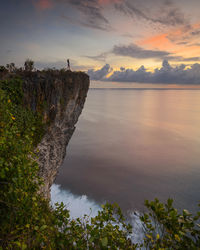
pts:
[133, 142]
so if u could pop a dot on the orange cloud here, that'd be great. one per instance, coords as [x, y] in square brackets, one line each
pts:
[158, 42]
[191, 51]
[171, 39]
[179, 41]
[196, 25]
[44, 4]
[185, 33]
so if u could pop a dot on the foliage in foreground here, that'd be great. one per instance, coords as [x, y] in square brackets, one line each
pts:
[27, 220]
[167, 229]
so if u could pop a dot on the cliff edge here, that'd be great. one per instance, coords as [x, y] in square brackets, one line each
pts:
[58, 97]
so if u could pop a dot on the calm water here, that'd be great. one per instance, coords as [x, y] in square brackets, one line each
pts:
[136, 144]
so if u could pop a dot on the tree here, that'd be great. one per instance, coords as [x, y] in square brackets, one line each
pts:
[11, 67]
[29, 65]
[3, 69]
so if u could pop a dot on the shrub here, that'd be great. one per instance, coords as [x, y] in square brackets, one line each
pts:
[165, 228]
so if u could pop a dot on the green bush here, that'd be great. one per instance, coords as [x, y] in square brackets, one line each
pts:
[29, 222]
[165, 228]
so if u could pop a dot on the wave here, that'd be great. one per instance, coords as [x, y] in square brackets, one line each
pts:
[77, 205]
[80, 205]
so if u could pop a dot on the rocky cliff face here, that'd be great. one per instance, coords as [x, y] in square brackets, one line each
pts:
[59, 97]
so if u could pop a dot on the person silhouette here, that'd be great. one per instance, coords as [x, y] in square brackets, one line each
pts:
[68, 65]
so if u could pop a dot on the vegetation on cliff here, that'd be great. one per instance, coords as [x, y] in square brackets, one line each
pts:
[27, 219]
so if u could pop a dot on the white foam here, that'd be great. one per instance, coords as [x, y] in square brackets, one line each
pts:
[81, 205]
[77, 205]
[138, 232]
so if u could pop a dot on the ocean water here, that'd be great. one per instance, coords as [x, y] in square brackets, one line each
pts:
[131, 145]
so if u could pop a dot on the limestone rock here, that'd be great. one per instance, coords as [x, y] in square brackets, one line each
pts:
[59, 97]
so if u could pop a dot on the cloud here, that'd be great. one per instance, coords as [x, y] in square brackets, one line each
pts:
[91, 14]
[43, 4]
[101, 57]
[191, 59]
[127, 35]
[182, 43]
[90, 9]
[195, 33]
[195, 44]
[86, 23]
[162, 12]
[185, 34]
[129, 75]
[135, 51]
[183, 59]
[105, 2]
[165, 75]
[99, 74]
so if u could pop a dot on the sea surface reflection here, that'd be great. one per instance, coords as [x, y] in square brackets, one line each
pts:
[136, 144]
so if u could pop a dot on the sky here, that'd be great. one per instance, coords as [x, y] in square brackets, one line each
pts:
[115, 40]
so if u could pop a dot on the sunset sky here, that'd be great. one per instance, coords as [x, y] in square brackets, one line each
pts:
[93, 33]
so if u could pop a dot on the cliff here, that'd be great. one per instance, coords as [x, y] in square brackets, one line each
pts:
[59, 97]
